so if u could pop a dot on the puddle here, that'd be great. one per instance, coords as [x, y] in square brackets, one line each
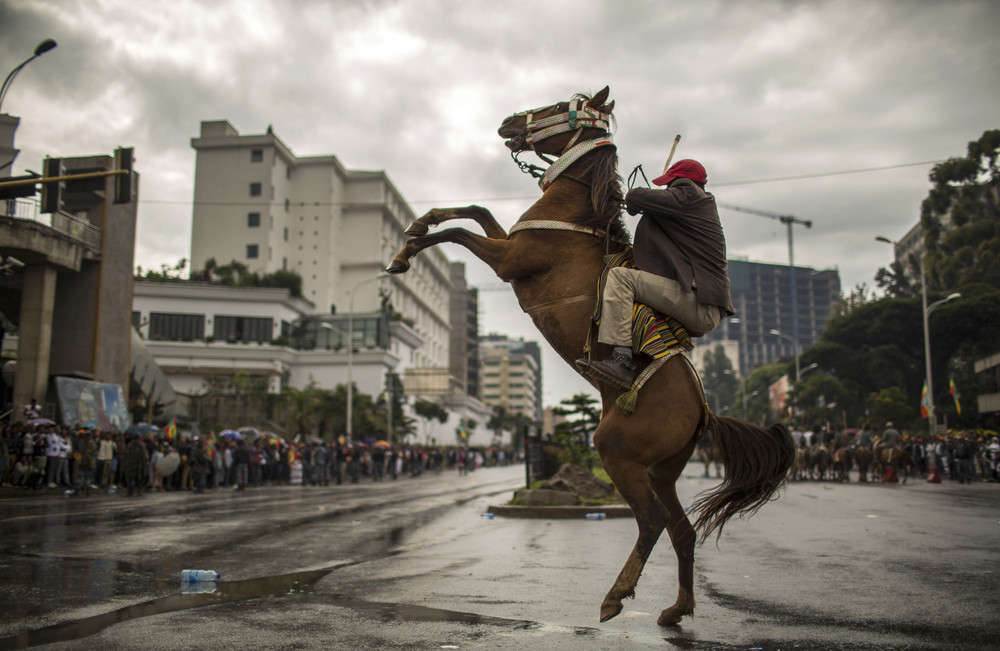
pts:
[296, 582]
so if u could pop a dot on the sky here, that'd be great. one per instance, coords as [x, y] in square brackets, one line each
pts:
[830, 111]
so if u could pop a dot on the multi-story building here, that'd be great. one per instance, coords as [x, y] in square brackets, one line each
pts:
[512, 375]
[762, 295]
[464, 343]
[257, 203]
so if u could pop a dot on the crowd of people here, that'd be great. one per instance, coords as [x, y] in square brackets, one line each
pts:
[78, 460]
[958, 455]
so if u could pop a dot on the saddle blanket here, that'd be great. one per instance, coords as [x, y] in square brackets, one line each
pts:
[653, 334]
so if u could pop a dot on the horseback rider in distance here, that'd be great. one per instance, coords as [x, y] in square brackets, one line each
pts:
[680, 255]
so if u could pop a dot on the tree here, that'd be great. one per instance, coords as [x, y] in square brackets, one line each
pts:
[719, 378]
[583, 414]
[961, 217]
[430, 411]
[890, 406]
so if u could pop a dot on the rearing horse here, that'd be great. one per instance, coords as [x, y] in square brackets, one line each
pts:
[553, 258]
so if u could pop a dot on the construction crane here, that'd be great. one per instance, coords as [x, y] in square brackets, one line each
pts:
[789, 221]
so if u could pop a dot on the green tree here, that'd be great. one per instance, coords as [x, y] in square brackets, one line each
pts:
[721, 383]
[758, 398]
[890, 405]
[583, 414]
[430, 411]
[961, 217]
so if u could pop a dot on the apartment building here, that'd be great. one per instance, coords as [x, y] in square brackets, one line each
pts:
[257, 203]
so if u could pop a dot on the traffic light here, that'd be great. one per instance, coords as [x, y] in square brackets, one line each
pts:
[18, 190]
[52, 193]
[124, 157]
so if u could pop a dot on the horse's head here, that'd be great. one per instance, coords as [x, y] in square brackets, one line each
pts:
[554, 129]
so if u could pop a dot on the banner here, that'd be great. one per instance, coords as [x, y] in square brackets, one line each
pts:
[953, 390]
[925, 403]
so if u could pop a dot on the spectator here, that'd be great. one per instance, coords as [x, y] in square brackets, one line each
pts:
[135, 471]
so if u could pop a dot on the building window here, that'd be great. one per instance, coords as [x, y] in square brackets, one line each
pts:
[255, 189]
[288, 204]
[252, 250]
[176, 327]
[256, 155]
[286, 233]
[253, 219]
[242, 328]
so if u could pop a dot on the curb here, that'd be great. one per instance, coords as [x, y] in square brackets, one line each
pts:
[559, 512]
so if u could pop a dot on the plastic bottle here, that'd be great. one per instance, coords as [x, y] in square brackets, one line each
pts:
[194, 576]
[487, 516]
[594, 516]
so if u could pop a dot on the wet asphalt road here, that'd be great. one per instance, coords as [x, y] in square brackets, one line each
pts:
[412, 564]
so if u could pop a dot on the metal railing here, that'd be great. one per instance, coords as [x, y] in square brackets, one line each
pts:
[63, 222]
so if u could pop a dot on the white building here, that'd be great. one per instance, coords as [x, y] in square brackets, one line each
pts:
[202, 334]
[198, 331]
[258, 203]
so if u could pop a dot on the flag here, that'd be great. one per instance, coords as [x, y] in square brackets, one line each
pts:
[953, 390]
[925, 403]
[172, 430]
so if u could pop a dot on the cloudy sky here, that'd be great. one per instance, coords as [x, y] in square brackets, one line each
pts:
[831, 111]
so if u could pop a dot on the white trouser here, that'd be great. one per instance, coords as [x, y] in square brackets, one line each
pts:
[627, 286]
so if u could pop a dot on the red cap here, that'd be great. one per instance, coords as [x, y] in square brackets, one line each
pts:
[687, 169]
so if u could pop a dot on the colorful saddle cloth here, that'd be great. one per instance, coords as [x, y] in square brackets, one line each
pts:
[653, 334]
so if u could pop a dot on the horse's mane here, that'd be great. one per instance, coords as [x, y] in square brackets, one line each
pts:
[606, 196]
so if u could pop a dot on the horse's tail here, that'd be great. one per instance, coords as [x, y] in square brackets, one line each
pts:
[757, 462]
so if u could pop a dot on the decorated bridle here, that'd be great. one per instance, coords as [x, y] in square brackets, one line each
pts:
[578, 117]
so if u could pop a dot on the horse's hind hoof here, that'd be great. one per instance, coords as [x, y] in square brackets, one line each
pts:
[670, 617]
[397, 267]
[610, 610]
[416, 229]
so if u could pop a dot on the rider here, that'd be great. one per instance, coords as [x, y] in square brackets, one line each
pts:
[890, 437]
[680, 255]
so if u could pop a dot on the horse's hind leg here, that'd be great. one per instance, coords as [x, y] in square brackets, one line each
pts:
[664, 479]
[632, 481]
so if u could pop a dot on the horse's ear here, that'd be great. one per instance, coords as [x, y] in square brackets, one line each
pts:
[609, 107]
[598, 100]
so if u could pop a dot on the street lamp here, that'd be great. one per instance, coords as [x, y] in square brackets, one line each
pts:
[40, 49]
[795, 347]
[350, 350]
[927, 309]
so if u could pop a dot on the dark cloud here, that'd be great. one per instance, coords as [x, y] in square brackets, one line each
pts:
[418, 87]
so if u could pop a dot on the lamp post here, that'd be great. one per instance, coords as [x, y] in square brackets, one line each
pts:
[350, 351]
[926, 310]
[40, 49]
[795, 347]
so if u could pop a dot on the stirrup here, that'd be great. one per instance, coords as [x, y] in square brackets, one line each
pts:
[590, 370]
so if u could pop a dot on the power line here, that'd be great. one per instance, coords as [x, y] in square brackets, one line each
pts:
[775, 179]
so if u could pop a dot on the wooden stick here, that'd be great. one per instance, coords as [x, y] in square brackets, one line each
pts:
[671, 156]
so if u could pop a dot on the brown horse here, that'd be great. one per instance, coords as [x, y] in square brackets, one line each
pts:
[709, 455]
[553, 259]
[843, 461]
[895, 457]
[819, 462]
[863, 456]
[800, 469]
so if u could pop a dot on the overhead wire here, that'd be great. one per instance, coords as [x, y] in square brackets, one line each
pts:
[775, 179]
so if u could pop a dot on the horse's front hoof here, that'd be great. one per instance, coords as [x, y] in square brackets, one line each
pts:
[609, 609]
[397, 267]
[416, 229]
